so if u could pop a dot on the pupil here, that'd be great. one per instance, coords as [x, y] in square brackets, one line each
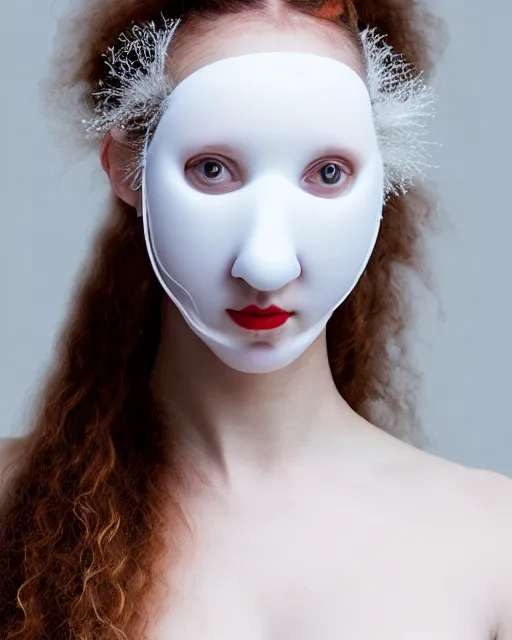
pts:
[211, 169]
[330, 173]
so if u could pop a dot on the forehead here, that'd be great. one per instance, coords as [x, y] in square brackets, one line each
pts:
[239, 34]
[292, 99]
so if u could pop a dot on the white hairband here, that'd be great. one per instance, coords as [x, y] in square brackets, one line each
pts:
[137, 88]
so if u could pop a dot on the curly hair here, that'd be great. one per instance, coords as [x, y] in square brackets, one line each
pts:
[83, 533]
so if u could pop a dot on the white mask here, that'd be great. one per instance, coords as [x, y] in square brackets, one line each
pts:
[262, 226]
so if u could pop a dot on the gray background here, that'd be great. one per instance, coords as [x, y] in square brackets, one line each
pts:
[49, 211]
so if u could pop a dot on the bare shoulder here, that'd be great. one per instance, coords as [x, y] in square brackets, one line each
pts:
[485, 488]
[493, 497]
[472, 507]
[477, 491]
[491, 493]
[474, 501]
[11, 449]
[494, 488]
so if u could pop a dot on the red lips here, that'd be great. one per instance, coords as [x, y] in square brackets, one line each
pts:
[256, 319]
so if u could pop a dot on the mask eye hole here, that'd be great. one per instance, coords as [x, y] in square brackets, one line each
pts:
[329, 178]
[215, 175]
[211, 174]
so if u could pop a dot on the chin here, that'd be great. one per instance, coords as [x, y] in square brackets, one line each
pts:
[260, 357]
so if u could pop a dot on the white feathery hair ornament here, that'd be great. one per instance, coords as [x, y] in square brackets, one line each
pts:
[135, 93]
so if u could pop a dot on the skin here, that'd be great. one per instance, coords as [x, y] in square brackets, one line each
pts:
[306, 520]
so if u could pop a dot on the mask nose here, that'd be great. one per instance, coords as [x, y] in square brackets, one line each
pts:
[267, 260]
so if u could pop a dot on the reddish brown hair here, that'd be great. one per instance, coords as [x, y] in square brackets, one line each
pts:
[329, 10]
[82, 532]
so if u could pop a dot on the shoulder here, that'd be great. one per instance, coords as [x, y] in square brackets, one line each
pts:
[486, 494]
[11, 450]
[490, 493]
[478, 499]
[472, 509]
[493, 492]
[494, 487]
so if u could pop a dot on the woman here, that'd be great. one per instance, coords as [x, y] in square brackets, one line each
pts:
[209, 459]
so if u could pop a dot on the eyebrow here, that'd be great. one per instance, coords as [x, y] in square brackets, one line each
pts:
[326, 150]
[221, 148]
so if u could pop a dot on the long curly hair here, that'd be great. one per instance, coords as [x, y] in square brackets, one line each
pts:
[83, 532]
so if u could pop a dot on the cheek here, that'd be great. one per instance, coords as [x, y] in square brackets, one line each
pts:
[195, 236]
[335, 251]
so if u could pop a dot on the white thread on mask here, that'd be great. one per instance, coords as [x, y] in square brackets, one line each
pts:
[135, 93]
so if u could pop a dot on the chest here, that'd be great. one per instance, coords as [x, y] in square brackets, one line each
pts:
[324, 569]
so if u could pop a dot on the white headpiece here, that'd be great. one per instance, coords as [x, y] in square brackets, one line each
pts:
[138, 86]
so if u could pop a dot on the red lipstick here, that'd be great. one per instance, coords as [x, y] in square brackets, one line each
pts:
[255, 319]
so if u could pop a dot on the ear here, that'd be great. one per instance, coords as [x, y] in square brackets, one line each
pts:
[114, 155]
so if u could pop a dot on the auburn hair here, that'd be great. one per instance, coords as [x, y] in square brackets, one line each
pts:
[82, 531]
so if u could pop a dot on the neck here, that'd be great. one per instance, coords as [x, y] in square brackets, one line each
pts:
[239, 424]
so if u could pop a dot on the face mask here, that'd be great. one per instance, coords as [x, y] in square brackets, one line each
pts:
[262, 197]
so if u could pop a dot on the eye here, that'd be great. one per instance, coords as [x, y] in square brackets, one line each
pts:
[210, 174]
[214, 175]
[330, 178]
